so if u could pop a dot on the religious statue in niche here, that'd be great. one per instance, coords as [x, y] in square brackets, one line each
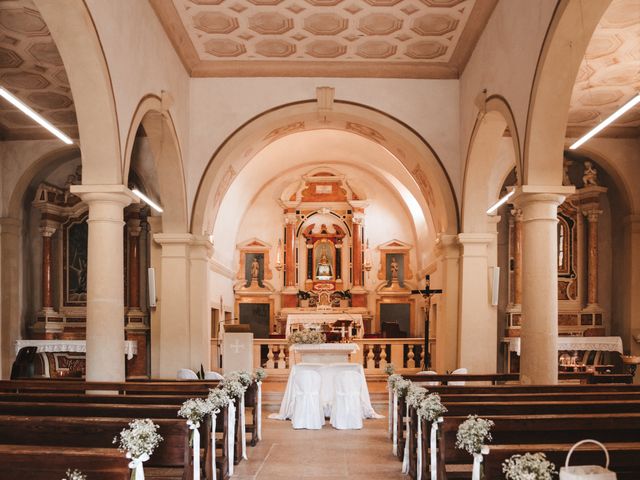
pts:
[395, 269]
[254, 269]
[590, 175]
[76, 264]
[324, 262]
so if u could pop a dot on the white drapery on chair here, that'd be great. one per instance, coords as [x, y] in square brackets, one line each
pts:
[459, 371]
[307, 408]
[428, 372]
[213, 376]
[186, 374]
[346, 410]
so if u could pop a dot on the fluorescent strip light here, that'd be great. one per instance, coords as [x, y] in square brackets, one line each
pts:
[147, 200]
[16, 102]
[614, 116]
[500, 202]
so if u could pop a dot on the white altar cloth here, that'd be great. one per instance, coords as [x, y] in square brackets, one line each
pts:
[79, 346]
[604, 344]
[321, 318]
[325, 353]
[327, 375]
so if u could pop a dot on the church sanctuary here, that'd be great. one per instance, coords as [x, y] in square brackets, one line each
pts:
[319, 239]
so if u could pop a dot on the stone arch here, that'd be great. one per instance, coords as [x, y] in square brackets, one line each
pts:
[75, 35]
[167, 156]
[416, 155]
[564, 47]
[482, 160]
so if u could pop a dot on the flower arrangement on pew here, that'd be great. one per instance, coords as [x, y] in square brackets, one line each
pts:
[258, 376]
[74, 475]
[235, 384]
[138, 442]
[414, 396]
[431, 409]
[472, 436]
[217, 400]
[195, 410]
[306, 337]
[530, 466]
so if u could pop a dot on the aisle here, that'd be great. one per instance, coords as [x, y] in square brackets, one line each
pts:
[287, 454]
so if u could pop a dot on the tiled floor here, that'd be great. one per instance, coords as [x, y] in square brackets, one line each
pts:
[288, 454]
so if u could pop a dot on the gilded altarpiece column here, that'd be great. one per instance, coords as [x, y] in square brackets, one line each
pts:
[289, 295]
[358, 292]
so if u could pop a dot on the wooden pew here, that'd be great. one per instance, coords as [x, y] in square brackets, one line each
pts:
[514, 378]
[188, 388]
[51, 462]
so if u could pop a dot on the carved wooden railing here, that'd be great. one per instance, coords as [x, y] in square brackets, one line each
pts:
[406, 354]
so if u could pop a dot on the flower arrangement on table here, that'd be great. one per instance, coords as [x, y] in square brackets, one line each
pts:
[389, 369]
[472, 436]
[74, 475]
[306, 337]
[530, 466]
[138, 442]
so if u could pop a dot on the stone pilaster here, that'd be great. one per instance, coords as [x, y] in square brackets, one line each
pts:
[10, 233]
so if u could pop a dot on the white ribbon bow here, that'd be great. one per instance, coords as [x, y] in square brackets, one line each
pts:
[390, 412]
[194, 426]
[243, 426]
[395, 422]
[136, 465]
[433, 447]
[213, 443]
[231, 434]
[258, 420]
[405, 457]
[419, 452]
[477, 461]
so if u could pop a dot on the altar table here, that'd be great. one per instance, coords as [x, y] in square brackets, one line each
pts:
[327, 375]
[603, 344]
[325, 353]
[130, 346]
[306, 319]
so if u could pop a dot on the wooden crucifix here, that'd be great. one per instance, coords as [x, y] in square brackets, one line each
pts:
[427, 293]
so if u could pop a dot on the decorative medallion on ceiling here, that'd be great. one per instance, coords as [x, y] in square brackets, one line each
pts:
[401, 38]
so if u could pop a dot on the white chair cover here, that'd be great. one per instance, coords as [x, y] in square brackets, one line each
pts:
[459, 371]
[186, 374]
[213, 376]
[307, 409]
[428, 372]
[346, 411]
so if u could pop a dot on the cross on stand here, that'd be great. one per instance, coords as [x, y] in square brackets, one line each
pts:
[236, 347]
[427, 293]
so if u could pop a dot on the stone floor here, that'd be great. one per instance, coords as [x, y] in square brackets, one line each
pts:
[288, 454]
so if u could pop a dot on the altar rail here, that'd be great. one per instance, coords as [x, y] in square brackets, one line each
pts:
[374, 354]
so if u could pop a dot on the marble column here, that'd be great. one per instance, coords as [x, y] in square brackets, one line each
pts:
[105, 280]
[290, 221]
[592, 257]
[517, 256]
[199, 309]
[539, 331]
[478, 318]
[134, 229]
[357, 252]
[444, 323]
[10, 236]
[47, 231]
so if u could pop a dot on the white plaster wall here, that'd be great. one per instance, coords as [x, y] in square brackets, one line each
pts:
[504, 61]
[219, 106]
[141, 61]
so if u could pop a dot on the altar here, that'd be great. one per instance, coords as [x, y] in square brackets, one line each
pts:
[317, 319]
[324, 353]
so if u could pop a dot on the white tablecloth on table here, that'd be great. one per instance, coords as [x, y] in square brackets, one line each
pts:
[79, 346]
[321, 318]
[603, 344]
[327, 374]
[326, 353]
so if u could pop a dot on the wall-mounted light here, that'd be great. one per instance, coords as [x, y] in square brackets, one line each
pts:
[147, 200]
[607, 121]
[499, 203]
[19, 104]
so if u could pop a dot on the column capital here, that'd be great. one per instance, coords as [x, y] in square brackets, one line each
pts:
[516, 213]
[592, 215]
[475, 244]
[47, 230]
[290, 218]
[540, 202]
[447, 245]
[104, 194]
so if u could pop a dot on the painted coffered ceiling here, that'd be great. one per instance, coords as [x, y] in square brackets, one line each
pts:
[610, 73]
[31, 68]
[370, 38]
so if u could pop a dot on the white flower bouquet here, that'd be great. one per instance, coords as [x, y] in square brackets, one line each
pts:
[307, 336]
[389, 369]
[431, 407]
[473, 433]
[217, 399]
[74, 475]
[530, 466]
[138, 441]
[392, 380]
[243, 377]
[194, 410]
[402, 387]
[233, 387]
[415, 395]
[259, 375]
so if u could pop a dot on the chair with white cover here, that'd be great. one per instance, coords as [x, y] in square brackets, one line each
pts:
[346, 409]
[186, 374]
[459, 371]
[211, 375]
[428, 372]
[307, 408]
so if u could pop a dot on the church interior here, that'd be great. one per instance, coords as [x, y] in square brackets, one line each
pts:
[393, 199]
